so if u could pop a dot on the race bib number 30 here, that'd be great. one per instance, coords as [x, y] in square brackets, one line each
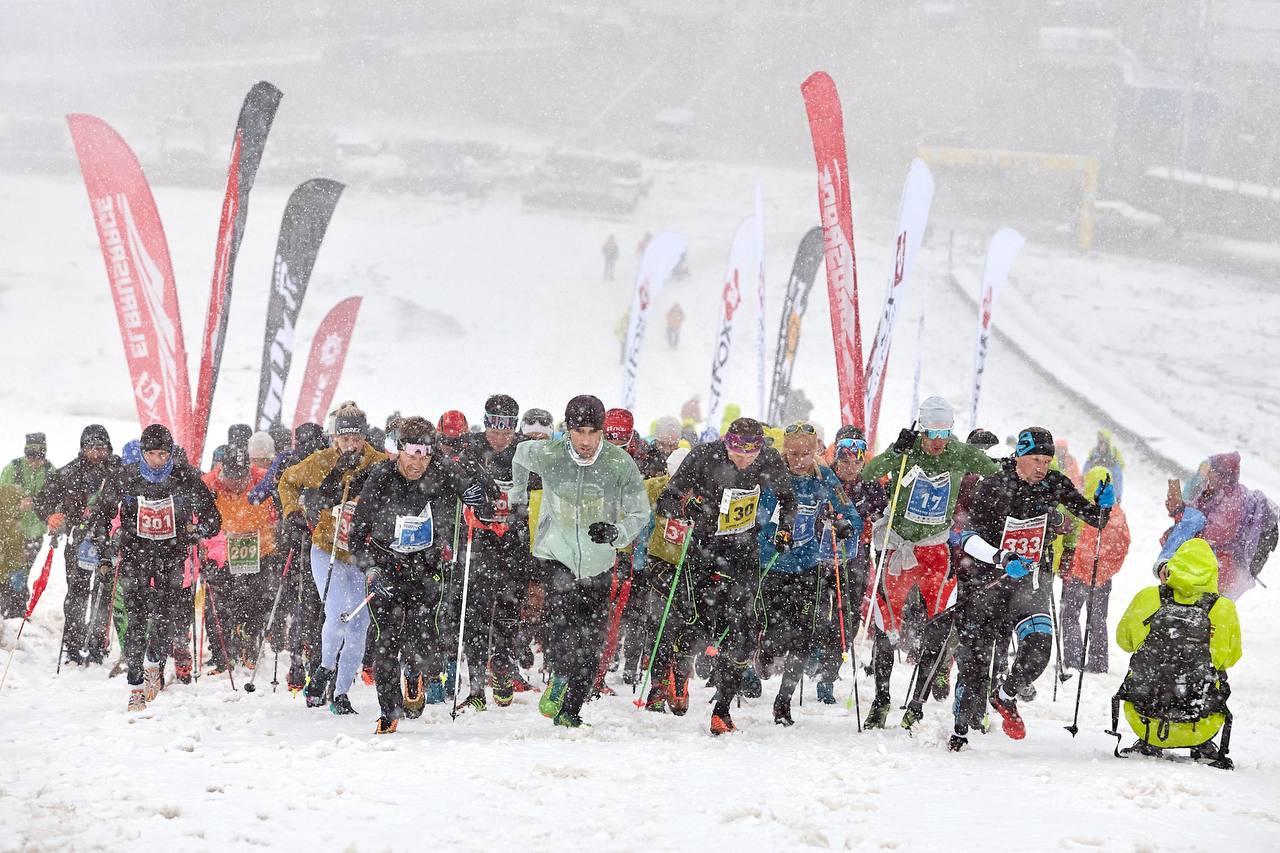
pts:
[413, 532]
[929, 498]
[156, 519]
[243, 556]
[737, 511]
[1025, 537]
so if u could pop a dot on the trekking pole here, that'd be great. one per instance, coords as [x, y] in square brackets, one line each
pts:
[347, 617]
[613, 632]
[333, 551]
[250, 686]
[879, 568]
[854, 698]
[462, 623]
[106, 633]
[217, 624]
[36, 590]
[1088, 618]
[662, 624]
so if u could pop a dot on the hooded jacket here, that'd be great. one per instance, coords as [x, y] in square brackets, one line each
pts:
[1115, 538]
[239, 514]
[73, 490]
[1193, 572]
[311, 474]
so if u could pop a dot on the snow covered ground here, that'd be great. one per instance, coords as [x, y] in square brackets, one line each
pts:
[462, 301]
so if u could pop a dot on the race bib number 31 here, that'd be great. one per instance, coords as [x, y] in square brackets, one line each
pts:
[156, 519]
[929, 499]
[737, 511]
[243, 554]
[1025, 537]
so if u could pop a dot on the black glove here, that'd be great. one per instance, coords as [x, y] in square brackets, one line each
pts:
[842, 526]
[300, 523]
[782, 541]
[906, 441]
[602, 532]
[347, 461]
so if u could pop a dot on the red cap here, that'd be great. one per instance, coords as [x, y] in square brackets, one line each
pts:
[618, 425]
[453, 424]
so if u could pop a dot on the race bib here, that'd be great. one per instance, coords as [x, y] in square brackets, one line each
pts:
[243, 556]
[1025, 537]
[87, 555]
[502, 503]
[929, 498]
[667, 540]
[342, 516]
[802, 530]
[413, 532]
[737, 511]
[156, 519]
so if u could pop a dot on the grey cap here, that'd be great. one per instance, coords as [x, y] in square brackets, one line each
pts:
[936, 413]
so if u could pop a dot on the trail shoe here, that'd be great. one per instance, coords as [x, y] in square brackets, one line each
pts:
[782, 713]
[1143, 748]
[1027, 694]
[957, 743]
[1011, 720]
[137, 699]
[315, 688]
[414, 699]
[657, 700]
[826, 692]
[341, 705]
[520, 685]
[366, 675]
[296, 679]
[386, 726]
[474, 702]
[553, 697]
[722, 724]
[503, 689]
[569, 720]
[914, 714]
[678, 694]
[75, 656]
[435, 692]
[182, 665]
[941, 687]
[151, 684]
[751, 685]
[878, 715]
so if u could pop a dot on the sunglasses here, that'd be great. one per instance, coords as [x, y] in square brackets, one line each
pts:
[416, 450]
[855, 447]
[937, 433]
[739, 444]
[801, 428]
[492, 421]
[539, 419]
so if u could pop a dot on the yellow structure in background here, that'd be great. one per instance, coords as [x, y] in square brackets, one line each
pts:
[941, 156]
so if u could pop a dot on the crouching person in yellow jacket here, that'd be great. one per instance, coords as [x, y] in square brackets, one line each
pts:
[1183, 637]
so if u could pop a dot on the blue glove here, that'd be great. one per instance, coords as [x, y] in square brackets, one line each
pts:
[1014, 566]
[1105, 497]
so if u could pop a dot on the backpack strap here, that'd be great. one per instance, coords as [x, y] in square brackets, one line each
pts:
[1207, 601]
[1166, 598]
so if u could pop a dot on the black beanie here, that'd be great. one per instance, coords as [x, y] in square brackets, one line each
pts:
[350, 425]
[157, 437]
[239, 434]
[308, 438]
[584, 411]
[1034, 441]
[982, 439]
[746, 427]
[95, 434]
[502, 404]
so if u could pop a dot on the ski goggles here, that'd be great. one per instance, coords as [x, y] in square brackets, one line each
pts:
[743, 443]
[800, 428]
[937, 433]
[493, 421]
[415, 449]
[854, 448]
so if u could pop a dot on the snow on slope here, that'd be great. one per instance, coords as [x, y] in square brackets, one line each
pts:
[463, 301]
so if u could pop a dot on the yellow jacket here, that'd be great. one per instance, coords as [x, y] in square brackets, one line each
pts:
[309, 474]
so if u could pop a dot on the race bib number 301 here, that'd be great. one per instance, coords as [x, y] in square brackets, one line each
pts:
[929, 499]
[737, 511]
[243, 557]
[156, 519]
[1025, 536]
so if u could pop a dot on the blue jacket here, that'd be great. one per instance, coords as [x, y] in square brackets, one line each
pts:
[817, 495]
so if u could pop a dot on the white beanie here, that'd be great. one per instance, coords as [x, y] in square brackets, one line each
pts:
[667, 427]
[261, 446]
[936, 413]
[673, 461]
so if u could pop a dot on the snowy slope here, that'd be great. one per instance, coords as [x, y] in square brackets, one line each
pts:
[463, 301]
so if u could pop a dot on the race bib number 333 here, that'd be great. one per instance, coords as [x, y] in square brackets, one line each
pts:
[1025, 536]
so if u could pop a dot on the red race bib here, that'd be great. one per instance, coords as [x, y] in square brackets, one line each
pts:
[1025, 537]
[156, 519]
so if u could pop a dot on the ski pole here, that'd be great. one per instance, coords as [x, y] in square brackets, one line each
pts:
[333, 551]
[662, 624]
[462, 622]
[1088, 619]
[106, 632]
[879, 568]
[347, 617]
[250, 686]
[854, 702]
[217, 624]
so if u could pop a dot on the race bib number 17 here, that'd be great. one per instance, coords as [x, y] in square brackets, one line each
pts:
[930, 498]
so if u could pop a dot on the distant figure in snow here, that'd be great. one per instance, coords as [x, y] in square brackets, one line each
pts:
[610, 251]
[675, 319]
[1106, 454]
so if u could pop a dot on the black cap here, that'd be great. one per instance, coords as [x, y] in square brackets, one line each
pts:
[95, 434]
[350, 425]
[1034, 441]
[35, 444]
[308, 438]
[850, 431]
[746, 427]
[502, 404]
[235, 462]
[239, 434]
[982, 439]
[281, 436]
[584, 411]
[157, 437]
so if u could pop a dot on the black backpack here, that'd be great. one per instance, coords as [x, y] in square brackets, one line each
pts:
[1172, 677]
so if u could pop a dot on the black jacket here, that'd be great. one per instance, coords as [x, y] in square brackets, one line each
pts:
[193, 503]
[73, 490]
[702, 483]
[1003, 499]
[387, 496]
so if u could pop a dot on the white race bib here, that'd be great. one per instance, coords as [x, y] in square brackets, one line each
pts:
[929, 499]
[156, 519]
[342, 516]
[1025, 536]
[413, 532]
